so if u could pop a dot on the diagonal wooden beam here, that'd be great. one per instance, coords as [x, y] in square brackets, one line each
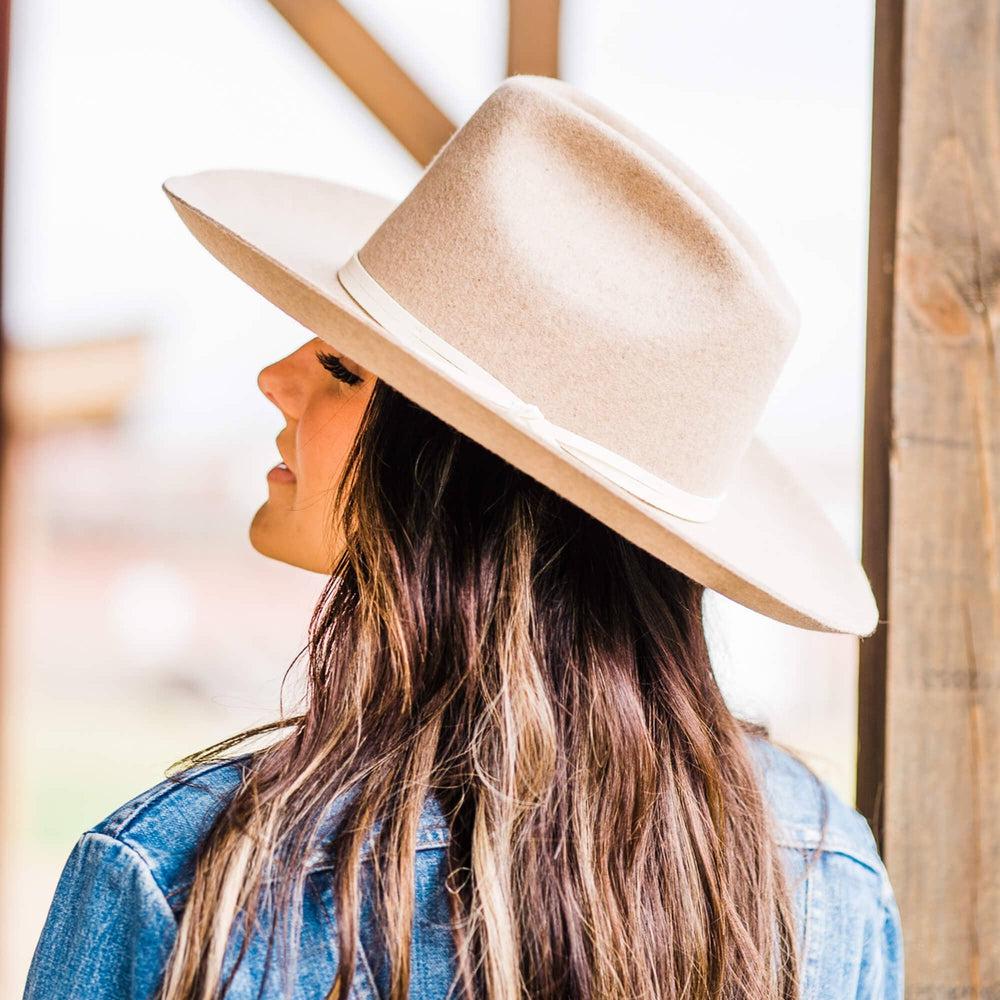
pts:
[533, 37]
[344, 44]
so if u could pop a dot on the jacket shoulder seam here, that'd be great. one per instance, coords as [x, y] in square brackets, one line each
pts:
[810, 840]
[140, 860]
[120, 821]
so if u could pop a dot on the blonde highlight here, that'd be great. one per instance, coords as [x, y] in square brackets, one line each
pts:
[482, 640]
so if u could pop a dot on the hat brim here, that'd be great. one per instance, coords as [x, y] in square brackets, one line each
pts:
[770, 546]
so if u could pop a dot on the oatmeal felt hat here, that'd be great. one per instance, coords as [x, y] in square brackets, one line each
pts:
[566, 292]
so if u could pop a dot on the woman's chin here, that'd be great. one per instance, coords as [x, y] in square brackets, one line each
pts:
[265, 535]
[270, 535]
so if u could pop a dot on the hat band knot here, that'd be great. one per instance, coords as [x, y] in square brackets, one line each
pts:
[410, 333]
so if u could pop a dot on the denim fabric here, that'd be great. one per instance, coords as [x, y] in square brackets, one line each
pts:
[115, 910]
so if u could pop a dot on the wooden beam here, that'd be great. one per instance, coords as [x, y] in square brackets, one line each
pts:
[533, 37]
[878, 409]
[342, 42]
[941, 508]
[88, 380]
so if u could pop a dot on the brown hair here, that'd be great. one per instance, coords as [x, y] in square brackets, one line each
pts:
[483, 640]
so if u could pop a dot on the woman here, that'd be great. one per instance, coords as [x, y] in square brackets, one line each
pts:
[521, 445]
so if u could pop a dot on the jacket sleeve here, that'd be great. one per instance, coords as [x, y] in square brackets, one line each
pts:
[108, 931]
[881, 972]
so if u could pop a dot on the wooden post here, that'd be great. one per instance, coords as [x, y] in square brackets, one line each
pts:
[533, 37]
[932, 488]
[878, 404]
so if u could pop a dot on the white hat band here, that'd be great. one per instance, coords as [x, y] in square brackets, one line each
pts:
[406, 330]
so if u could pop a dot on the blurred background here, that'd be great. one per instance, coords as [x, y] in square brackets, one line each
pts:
[140, 625]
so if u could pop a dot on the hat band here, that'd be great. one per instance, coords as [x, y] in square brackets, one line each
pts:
[407, 331]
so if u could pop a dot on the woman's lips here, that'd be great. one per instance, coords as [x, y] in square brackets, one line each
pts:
[281, 474]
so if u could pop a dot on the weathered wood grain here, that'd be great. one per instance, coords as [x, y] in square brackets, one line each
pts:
[942, 696]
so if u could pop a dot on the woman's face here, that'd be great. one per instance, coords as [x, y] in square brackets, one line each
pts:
[322, 401]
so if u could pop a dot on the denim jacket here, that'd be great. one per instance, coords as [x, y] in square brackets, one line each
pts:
[118, 901]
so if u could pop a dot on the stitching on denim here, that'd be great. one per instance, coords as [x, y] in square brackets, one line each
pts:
[371, 978]
[366, 855]
[143, 862]
[158, 793]
[799, 838]
[810, 933]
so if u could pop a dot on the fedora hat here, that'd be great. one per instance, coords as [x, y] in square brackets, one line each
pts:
[567, 293]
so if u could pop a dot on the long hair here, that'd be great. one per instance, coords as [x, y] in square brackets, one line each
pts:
[485, 641]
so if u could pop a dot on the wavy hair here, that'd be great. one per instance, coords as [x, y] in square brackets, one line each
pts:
[483, 640]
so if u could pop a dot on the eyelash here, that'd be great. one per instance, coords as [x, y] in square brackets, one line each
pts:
[336, 368]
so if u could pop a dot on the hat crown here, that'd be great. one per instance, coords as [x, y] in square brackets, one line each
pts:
[565, 292]
[595, 275]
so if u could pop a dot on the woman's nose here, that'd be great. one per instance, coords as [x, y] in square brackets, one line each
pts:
[269, 383]
[285, 382]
